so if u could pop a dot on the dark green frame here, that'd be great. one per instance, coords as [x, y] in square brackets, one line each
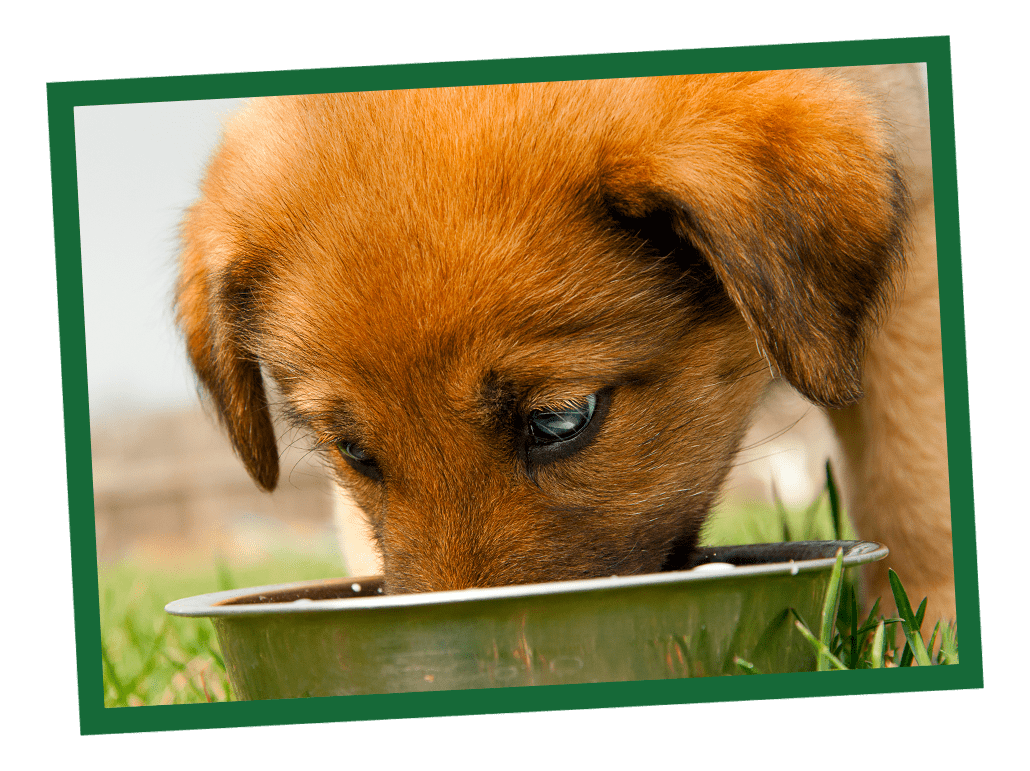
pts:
[63, 97]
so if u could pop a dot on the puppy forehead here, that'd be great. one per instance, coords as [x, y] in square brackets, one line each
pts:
[439, 326]
[360, 171]
[357, 138]
[405, 230]
[434, 237]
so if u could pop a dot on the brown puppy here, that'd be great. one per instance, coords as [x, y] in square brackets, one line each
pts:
[528, 324]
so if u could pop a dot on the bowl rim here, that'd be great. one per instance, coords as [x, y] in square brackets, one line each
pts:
[211, 605]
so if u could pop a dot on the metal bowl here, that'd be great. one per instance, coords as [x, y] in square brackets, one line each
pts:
[342, 636]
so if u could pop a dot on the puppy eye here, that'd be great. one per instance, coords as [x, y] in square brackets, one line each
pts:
[359, 460]
[561, 425]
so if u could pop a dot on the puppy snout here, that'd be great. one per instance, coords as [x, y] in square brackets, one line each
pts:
[505, 545]
[452, 555]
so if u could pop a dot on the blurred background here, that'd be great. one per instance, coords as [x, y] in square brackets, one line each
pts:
[168, 490]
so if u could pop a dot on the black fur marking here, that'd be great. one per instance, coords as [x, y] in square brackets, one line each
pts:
[665, 238]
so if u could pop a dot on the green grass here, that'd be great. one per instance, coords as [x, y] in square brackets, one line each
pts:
[844, 639]
[758, 522]
[150, 657]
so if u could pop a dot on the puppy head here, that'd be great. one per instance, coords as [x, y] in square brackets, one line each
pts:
[527, 323]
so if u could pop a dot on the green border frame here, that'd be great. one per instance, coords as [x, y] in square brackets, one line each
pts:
[64, 97]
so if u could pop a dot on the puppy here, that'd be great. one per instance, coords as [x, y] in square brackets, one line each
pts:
[528, 324]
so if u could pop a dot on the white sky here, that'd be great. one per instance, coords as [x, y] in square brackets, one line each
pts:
[139, 166]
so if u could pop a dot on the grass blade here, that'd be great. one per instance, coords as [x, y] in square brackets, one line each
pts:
[908, 620]
[879, 646]
[781, 510]
[835, 509]
[826, 659]
[949, 645]
[874, 613]
[933, 639]
[112, 673]
[813, 532]
[907, 655]
[853, 643]
[831, 604]
[745, 666]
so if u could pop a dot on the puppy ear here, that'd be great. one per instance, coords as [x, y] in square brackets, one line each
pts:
[211, 304]
[787, 185]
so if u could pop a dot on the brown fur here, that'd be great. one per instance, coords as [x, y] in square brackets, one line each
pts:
[418, 270]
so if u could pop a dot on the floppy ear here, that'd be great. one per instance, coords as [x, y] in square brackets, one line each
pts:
[787, 185]
[212, 305]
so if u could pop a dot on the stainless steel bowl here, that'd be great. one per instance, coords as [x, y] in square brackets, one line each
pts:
[342, 636]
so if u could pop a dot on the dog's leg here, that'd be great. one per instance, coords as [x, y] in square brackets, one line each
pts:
[895, 442]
